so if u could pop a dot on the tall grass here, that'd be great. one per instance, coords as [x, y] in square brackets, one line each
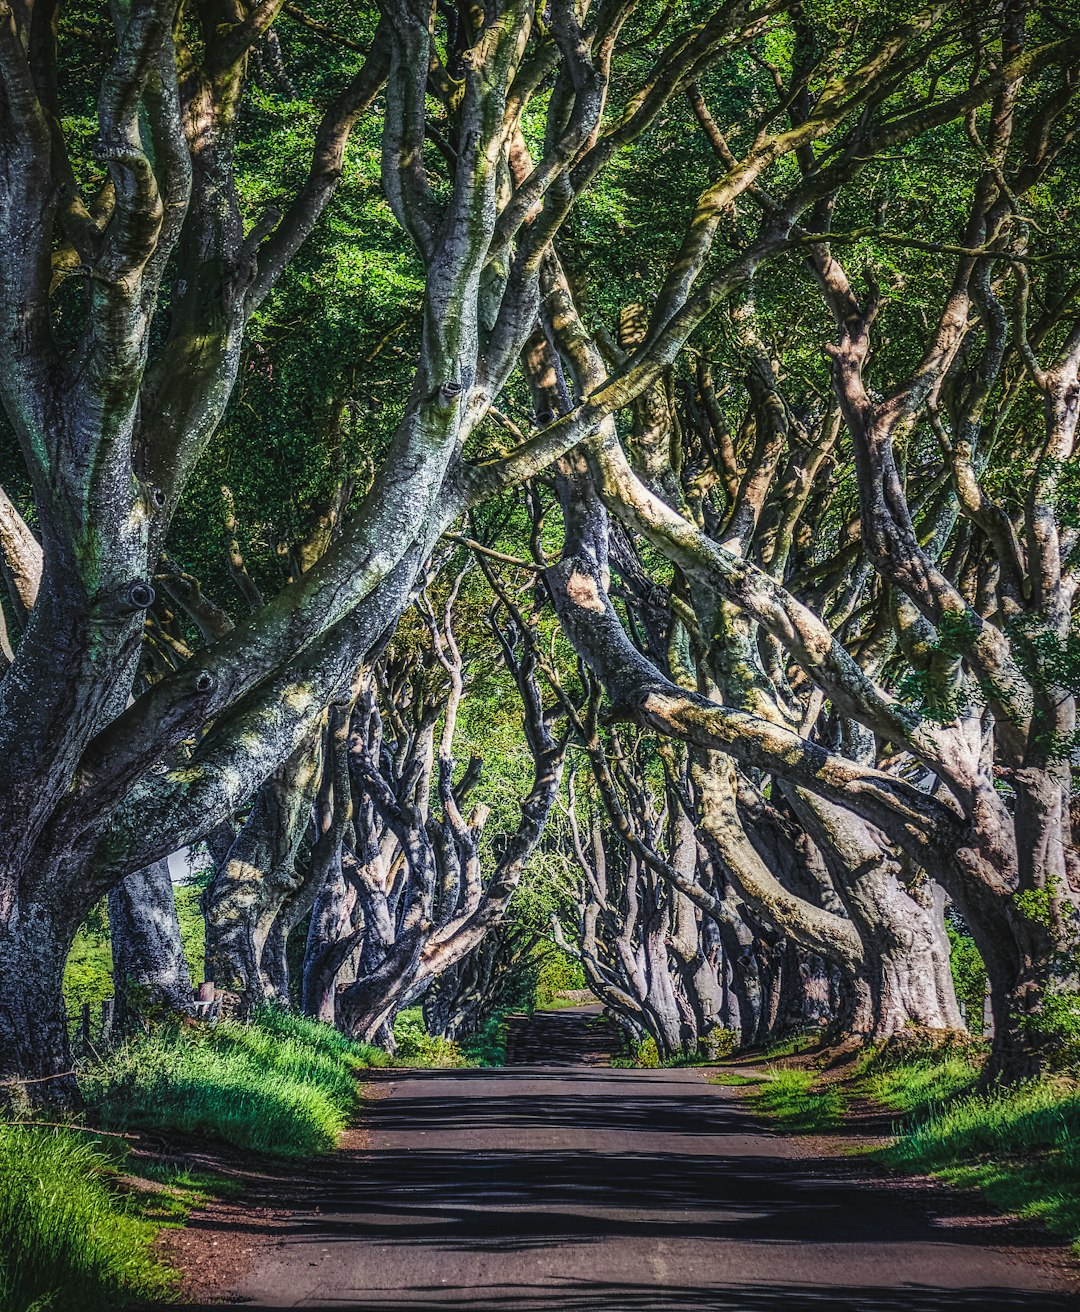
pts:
[794, 1098]
[912, 1075]
[1020, 1146]
[282, 1085]
[69, 1241]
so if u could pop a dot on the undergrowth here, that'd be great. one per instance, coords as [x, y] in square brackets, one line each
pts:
[716, 1046]
[283, 1084]
[1019, 1146]
[70, 1240]
[487, 1047]
[417, 1047]
[792, 1096]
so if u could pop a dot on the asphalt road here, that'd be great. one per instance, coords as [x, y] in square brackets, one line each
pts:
[535, 1189]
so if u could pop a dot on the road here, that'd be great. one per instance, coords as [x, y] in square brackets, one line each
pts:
[541, 1188]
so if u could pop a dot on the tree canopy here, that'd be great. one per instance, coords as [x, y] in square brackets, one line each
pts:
[627, 440]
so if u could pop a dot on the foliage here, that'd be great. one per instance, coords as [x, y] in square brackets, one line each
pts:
[88, 973]
[68, 1238]
[558, 973]
[968, 972]
[1055, 1027]
[487, 1047]
[416, 1047]
[283, 1085]
[718, 1044]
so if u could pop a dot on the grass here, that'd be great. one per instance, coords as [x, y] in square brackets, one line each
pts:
[1020, 1147]
[283, 1085]
[70, 1240]
[919, 1083]
[76, 1233]
[794, 1044]
[791, 1096]
[733, 1080]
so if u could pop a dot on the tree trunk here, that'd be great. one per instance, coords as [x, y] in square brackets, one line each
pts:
[259, 872]
[34, 945]
[333, 935]
[897, 925]
[150, 971]
[1019, 953]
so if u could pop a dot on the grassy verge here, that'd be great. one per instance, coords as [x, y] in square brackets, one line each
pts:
[733, 1080]
[76, 1231]
[796, 1099]
[69, 1237]
[1020, 1147]
[283, 1085]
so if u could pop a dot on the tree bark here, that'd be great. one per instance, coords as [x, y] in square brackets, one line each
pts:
[150, 971]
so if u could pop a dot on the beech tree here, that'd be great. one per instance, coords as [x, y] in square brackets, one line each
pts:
[112, 414]
[980, 606]
[131, 275]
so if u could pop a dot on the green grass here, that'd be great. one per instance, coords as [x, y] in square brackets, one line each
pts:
[70, 1241]
[76, 1234]
[733, 1080]
[922, 1083]
[283, 1085]
[792, 1098]
[794, 1044]
[1020, 1147]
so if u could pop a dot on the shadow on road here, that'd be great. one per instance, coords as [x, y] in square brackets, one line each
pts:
[563, 1185]
[606, 1297]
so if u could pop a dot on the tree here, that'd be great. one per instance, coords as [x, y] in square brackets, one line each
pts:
[112, 417]
[123, 315]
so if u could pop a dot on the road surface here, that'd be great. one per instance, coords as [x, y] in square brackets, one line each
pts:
[537, 1189]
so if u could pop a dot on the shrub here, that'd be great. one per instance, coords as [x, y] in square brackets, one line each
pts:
[487, 1047]
[968, 972]
[69, 1242]
[720, 1043]
[415, 1045]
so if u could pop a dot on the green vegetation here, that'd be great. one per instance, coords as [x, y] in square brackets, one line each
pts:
[717, 1044]
[487, 1047]
[793, 1044]
[416, 1047]
[283, 1084]
[795, 1098]
[88, 973]
[69, 1238]
[733, 1080]
[968, 971]
[557, 973]
[917, 1077]
[1020, 1147]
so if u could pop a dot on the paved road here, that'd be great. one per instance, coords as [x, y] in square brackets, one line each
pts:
[544, 1189]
